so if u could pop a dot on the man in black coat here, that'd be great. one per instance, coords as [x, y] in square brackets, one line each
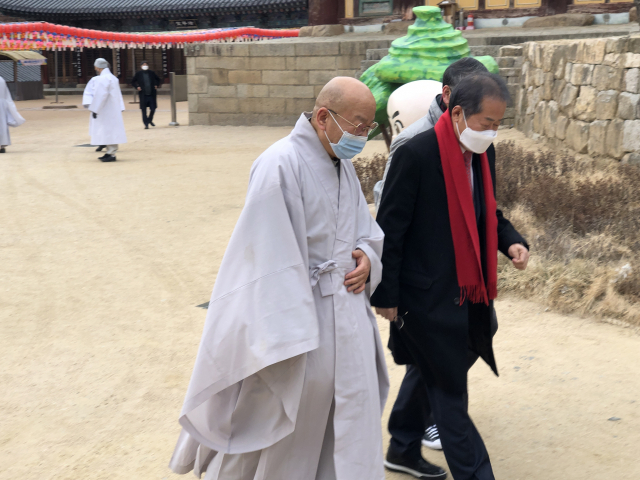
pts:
[441, 320]
[402, 418]
[147, 84]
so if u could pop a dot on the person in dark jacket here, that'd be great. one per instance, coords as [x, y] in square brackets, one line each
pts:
[443, 231]
[402, 418]
[147, 83]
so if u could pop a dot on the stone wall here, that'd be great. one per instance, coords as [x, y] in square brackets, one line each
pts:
[582, 94]
[267, 83]
[510, 63]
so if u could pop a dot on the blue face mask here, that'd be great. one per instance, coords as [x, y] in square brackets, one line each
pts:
[348, 146]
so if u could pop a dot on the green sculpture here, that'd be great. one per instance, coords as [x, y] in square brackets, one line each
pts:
[429, 47]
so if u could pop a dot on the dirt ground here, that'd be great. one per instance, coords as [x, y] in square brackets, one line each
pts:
[103, 267]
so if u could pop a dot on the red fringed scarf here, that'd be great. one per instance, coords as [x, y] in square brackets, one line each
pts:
[464, 231]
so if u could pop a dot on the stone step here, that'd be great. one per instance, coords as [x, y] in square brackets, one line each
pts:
[482, 50]
[509, 62]
[511, 51]
[377, 53]
[509, 72]
[519, 35]
[365, 64]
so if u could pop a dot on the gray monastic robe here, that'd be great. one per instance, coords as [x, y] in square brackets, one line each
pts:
[9, 116]
[290, 379]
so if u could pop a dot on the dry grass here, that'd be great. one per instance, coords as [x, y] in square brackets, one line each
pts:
[583, 224]
[370, 171]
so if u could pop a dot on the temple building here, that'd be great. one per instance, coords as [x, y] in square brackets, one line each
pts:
[76, 67]
[160, 15]
[362, 11]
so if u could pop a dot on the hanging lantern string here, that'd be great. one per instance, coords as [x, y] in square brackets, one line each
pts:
[48, 36]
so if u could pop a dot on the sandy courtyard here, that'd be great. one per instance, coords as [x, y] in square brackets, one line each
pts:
[102, 267]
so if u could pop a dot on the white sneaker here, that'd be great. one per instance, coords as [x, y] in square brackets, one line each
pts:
[431, 438]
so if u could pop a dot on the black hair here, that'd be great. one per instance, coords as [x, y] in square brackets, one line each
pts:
[472, 90]
[143, 62]
[461, 69]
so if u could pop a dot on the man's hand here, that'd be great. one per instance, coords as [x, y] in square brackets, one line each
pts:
[357, 279]
[139, 89]
[156, 87]
[388, 313]
[519, 255]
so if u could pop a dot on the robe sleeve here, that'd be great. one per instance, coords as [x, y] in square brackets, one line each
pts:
[14, 119]
[100, 96]
[370, 241]
[260, 322]
[87, 95]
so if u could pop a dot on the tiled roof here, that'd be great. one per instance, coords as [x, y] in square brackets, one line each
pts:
[127, 8]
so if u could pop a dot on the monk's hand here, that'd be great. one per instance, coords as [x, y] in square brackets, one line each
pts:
[139, 89]
[357, 279]
[519, 255]
[388, 313]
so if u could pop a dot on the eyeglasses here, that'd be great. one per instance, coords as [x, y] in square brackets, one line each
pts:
[399, 320]
[361, 130]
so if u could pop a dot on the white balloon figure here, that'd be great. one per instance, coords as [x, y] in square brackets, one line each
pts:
[410, 102]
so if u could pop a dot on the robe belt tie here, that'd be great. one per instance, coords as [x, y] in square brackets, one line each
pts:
[329, 276]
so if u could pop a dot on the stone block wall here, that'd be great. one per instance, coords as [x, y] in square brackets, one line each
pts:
[510, 63]
[266, 83]
[582, 94]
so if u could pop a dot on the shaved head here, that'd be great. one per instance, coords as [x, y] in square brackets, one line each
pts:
[347, 94]
[343, 106]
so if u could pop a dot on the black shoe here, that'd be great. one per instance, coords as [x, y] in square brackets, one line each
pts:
[152, 124]
[146, 127]
[431, 438]
[107, 158]
[419, 468]
[3, 150]
[100, 148]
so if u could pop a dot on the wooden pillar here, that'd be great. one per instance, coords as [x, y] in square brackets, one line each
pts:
[323, 12]
[349, 11]
[18, 95]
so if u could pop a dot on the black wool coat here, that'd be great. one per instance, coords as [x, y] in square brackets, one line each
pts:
[419, 270]
[138, 81]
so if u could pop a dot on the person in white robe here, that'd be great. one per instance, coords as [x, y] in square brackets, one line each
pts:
[9, 116]
[290, 378]
[87, 98]
[106, 108]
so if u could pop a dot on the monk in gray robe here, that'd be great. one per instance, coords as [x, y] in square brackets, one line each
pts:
[9, 116]
[290, 378]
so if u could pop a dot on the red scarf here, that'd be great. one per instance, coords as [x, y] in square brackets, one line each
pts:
[464, 231]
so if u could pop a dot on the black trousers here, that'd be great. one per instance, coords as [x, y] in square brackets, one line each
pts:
[149, 103]
[419, 404]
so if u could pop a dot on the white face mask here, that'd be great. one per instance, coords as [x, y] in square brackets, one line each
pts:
[349, 145]
[145, 67]
[477, 142]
